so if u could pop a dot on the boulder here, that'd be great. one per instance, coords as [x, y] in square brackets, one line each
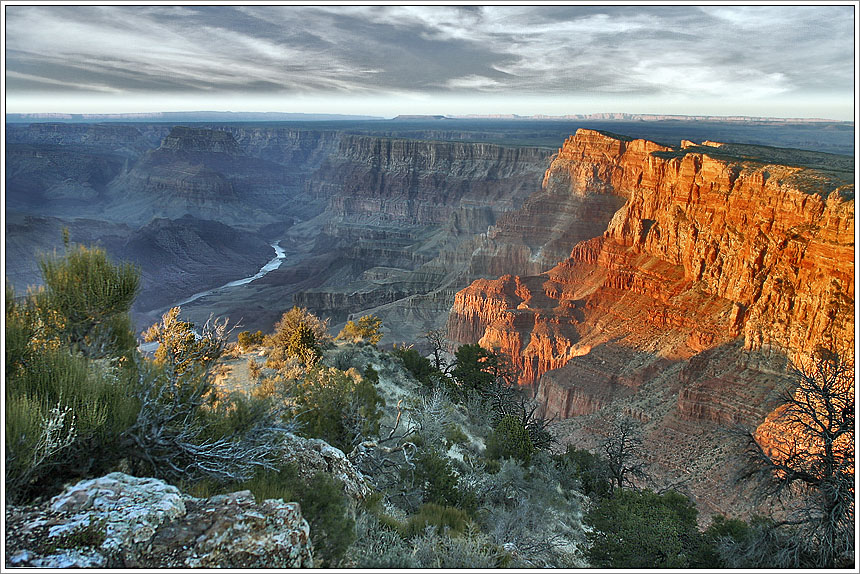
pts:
[118, 521]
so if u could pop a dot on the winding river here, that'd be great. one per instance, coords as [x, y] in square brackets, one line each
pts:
[273, 264]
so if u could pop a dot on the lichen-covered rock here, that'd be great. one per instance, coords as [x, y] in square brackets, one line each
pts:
[123, 521]
[131, 508]
[238, 533]
[314, 455]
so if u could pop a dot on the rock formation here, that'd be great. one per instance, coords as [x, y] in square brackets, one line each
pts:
[120, 521]
[723, 261]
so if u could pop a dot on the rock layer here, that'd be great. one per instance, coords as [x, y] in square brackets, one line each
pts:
[713, 247]
[722, 263]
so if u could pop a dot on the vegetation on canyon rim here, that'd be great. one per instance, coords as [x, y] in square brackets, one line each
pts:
[464, 470]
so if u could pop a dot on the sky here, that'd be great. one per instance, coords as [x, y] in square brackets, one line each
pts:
[385, 60]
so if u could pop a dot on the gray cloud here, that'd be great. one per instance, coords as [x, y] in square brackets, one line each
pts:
[565, 50]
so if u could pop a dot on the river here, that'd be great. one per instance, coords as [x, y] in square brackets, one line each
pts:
[273, 264]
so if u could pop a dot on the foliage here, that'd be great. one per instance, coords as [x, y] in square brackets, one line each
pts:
[322, 500]
[292, 320]
[527, 511]
[623, 452]
[254, 369]
[67, 397]
[85, 302]
[339, 407]
[91, 535]
[439, 346]
[247, 340]
[303, 345]
[446, 519]
[180, 347]
[510, 439]
[379, 546]
[454, 435]
[643, 529]
[722, 533]
[420, 367]
[367, 328]
[298, 334]
[438, 483]
[760, 543]
[475, 367]
[325, 506]
[815, 463]
[182, 432]
[585, 471]
[472, 549]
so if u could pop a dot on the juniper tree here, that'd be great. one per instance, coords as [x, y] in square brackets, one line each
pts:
[811, 466]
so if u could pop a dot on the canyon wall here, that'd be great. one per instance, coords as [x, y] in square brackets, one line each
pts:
[395, 211]
[720, 247]
[423, 182]
[722, 263]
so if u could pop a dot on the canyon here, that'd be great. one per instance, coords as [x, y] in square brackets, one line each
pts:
[667, 282]
[722, 264]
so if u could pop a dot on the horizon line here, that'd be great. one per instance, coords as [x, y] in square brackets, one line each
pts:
[500, 116]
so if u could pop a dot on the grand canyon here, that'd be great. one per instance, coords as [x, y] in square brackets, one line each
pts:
[670, 283]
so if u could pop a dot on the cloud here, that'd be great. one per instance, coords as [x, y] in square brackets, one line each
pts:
[399, 51]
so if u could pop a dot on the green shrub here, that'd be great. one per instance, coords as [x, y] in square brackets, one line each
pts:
[303, 345]
[247, 340]
[420, 367]
[254, 369]
[290, 321]
[643, 529]
[584, 471]
[454, 434]
[510, 439]
[86, 300]
[474, 367]
[438, 482]
[91, 535]
[180, 347]
[337, 406]
[69, 379]
[324, 505]
[720, 529]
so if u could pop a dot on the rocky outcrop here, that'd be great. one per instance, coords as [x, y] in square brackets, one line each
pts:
[120, 521]
[712, 245]
[723, 262]
[205, 173]
[185, 139]
[313, 455]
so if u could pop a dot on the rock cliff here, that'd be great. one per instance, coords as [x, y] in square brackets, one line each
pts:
[396, 208]
[721, 262]
[423, 182]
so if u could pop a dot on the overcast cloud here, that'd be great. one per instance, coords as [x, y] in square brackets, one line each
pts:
[780, 56]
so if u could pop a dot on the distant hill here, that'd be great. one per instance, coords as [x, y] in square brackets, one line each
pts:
[185, 117]
[617, 116]
[420, 117]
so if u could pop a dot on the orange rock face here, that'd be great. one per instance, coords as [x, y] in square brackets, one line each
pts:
[714, 268]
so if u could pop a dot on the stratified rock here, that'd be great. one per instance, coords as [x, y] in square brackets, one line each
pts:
[723, 262]
[423, 182]
[708, 246]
